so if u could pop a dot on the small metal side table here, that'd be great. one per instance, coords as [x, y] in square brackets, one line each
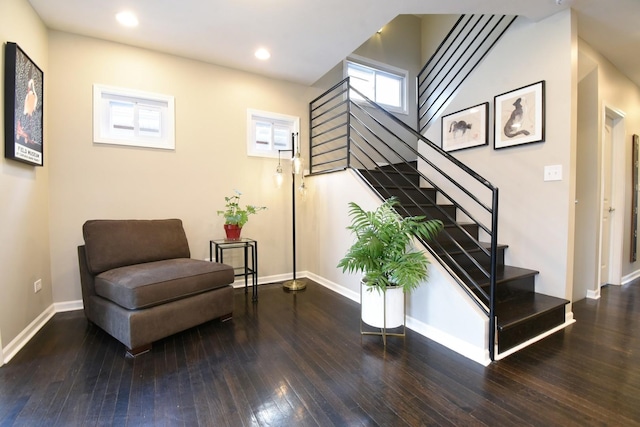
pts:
[216, 253]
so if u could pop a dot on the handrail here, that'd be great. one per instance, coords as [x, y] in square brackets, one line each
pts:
[384, 151]
[363, 136]
[451, 68]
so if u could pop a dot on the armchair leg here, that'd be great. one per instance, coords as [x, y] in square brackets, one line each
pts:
[133, 352]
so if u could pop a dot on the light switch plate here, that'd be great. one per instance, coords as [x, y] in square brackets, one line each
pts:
[553, 173]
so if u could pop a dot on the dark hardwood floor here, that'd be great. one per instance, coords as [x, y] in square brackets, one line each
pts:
[298, 359]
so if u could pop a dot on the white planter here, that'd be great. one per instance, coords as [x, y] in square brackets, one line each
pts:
[372, 307]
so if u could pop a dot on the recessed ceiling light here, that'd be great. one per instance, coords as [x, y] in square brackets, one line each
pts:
[128, 19]
[263, 54]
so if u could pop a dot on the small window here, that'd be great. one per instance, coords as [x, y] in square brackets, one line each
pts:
[129, 117]
[384, 84]
[269, 132]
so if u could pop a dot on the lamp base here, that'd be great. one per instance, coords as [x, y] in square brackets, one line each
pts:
[294, 285]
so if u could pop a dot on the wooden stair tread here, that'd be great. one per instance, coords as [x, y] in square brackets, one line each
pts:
[504, 273]
[471, 247]
[525, 307]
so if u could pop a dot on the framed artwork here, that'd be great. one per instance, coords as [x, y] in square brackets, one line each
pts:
[466, 128]
[519, 116]
[23, 100]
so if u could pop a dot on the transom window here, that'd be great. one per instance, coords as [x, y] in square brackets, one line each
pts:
[383, 84]
[131, 117]
[269, 132]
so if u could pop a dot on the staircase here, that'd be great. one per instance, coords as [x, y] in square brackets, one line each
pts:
[521, 313]
[396, 160]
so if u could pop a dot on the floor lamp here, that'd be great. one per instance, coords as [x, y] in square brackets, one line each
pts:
[296, 169]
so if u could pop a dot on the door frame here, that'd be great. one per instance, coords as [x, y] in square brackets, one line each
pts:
[618, 184]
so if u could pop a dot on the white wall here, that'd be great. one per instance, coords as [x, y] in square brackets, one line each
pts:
[586, 266]
[618, 92]
[398, 45]
[90, 181]
[439, 309]
[536, 217]
[434, 29]
[25, 251]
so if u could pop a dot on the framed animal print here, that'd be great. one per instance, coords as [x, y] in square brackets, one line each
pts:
[466, 128]
[23, 101]
[519, 116]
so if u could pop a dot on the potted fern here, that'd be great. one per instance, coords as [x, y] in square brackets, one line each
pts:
[382, 251]
[235, 216]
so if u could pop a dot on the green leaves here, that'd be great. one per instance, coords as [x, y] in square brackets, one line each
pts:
[382, 250]
[234, 214]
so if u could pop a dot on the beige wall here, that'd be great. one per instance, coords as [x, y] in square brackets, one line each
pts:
[101, 181]
[535, 216]
[24, 252]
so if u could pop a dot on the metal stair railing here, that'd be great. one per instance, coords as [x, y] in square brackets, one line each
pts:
[465, 46]
[383, 150]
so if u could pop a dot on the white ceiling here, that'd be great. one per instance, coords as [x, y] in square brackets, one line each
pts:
[308, 37]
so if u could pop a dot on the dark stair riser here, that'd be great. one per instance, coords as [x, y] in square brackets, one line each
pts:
[445, 213]
[391, 178]
[410, 167]
[526, 329]
[409, 195]
[464, 260]
[459, 232]
[508, 289]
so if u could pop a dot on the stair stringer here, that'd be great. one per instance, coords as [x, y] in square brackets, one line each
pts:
[439, 309]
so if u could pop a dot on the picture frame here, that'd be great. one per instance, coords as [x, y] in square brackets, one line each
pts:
[519, 116]
[466, 128]
[23, 107]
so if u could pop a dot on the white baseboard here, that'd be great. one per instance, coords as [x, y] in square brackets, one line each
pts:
[339, 289]
[569, 321]
[630, 277]
[593, 294]
[61, 307]
[23, 337]
[476, 354]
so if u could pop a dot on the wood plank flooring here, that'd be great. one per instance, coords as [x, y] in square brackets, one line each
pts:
[299, 360]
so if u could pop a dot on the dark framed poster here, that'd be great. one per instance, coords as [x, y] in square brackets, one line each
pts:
[23, 112]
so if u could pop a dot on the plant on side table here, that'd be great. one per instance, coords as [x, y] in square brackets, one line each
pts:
[235, 217]
[383, 252]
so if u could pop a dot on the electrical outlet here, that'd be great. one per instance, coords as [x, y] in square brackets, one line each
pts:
[37, 285]
[553, 173]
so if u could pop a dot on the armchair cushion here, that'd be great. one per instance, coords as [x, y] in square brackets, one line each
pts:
[118, 243]
[149, 284]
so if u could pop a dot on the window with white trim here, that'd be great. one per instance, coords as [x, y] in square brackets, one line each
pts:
[131, 117]
[269, 132]
[383, 84]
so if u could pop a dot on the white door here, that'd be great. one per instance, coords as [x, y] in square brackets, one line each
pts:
[607, 207]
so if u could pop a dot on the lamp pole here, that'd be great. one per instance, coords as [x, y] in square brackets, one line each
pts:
[294, 284]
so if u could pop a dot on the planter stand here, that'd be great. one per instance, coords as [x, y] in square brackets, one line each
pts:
[382, 326]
